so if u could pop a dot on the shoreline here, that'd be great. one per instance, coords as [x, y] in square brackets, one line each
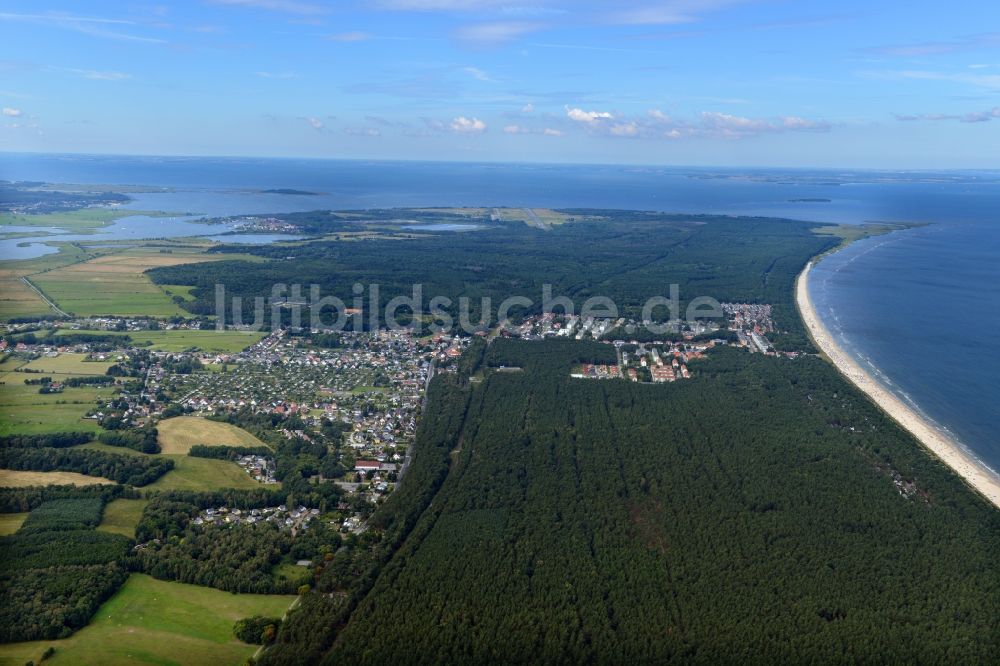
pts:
[936, 442]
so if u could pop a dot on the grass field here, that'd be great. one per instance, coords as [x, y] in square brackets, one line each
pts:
[543, 217]
[16, 299]
[24, 410]
[122, 515]
[156, 622]
[190, 473]
[69, 365]
[202, 474]
[228, 342]
[182, 290]
[288, 570]
[848, 233]
[179, 434]
[11, 522]
[10, 478]
[83, 221]
[114, 284]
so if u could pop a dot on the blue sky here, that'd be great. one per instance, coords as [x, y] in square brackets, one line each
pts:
[688, 82]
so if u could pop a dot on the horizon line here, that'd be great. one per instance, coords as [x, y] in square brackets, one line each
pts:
[505, 162]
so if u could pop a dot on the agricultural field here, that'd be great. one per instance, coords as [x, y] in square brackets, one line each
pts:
[19, 300]
[114, 284]
[122, 515]
[11, 522]
[225, 342]
[10, 478]
[152, 622]
[24, 410]
[179, 434]
[202, 474]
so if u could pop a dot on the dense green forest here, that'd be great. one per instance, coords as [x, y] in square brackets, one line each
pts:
[127, 469]
[763, 512]
[56, 440]
[57, 569]
[17, 500]
[626, 256]
[237, 558]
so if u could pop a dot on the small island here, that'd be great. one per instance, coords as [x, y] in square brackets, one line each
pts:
[810, 200]
[285, 190]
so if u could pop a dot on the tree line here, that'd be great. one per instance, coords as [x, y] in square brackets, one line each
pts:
[126, 469]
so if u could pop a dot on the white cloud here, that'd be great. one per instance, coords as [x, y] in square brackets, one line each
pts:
[708, 124]
[314, 122]
[89, 25]
[978, 42]
[588, 117]
[477, 73]
[981, 80]
[99, 76]
[972, 117]
[11, 113]
[463, 125]
[667, 12]
[499, 32]
[981, 116]
[652, 16]
[350, 37]
[441, 5]
[629, 128]
[288, 6]
[726, 123]
[528, 108]
[520, 129]
[659, 116]
[797, 123]
[362, 131]
[991, 81]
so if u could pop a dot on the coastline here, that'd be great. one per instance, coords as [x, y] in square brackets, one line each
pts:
[941, 446]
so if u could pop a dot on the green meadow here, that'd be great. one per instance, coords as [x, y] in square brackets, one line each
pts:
[226, 342]
[19, 300]
[202, 474]
[189, 473]
[157, 622]
[179, 434]
[11, 522]
[122, 515]
[24, 410]
[82, 221]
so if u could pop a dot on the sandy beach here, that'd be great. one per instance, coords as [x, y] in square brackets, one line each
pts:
[947, 450]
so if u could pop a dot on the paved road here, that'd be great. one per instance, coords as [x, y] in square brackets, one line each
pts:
[45, 298]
